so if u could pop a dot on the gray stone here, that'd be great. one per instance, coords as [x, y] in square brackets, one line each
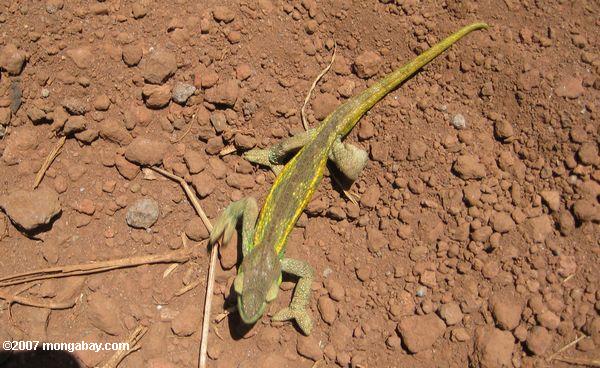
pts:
[182, 92]
[143, 213]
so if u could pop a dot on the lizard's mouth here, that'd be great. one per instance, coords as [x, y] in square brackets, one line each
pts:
[248, 315]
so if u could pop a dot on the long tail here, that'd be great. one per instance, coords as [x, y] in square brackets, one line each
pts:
[354, 108]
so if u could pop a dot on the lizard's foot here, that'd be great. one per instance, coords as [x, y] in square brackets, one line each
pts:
[349, 159]
[300, 314]
[259, 156]
[245, 209]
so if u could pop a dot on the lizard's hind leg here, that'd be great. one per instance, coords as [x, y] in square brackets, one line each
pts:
[297, 309]
[349, 159]
[244, 209]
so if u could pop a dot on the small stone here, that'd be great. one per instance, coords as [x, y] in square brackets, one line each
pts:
[204, 184]
[507, 313]
[74, 124]
[538, 228]
[566, 222]
[370, 197]
[125, 168]
[503, 129]
[502, 222]
[588, 153]
[196, 230]
[81, 56]
[548, 320]
[75, 106]
[244, 142]
[194, 161]
[102, 102]
[243, 71]
[551, 198]
[323, 105]
[570, 87]
[156, 97]
[468, 167]
[114, 131]
[420, 332]
[225, 93]
[335, 289]
[146, 152]
[327, 309]
[460, 334]
[186, 322]
[5, 115]
[459, 122]
[451, 313]
[132, 55]
[376, 240]
[12, 59]
[309, 348]
[143, 213]
[103, 314]
[538, 340]
[586, 210]
[159, 66]
[30, 210]
[181, 92]
[228, 252]
[223, 14]
[493, 348]
[367, 64]
[138, 10]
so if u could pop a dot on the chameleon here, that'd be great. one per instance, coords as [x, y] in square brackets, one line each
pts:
[264, 235]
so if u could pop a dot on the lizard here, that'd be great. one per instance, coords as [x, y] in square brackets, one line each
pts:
[264, 235]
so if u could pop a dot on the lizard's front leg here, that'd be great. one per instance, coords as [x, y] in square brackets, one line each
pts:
[275, 156]
[245, 209]
[298, 307]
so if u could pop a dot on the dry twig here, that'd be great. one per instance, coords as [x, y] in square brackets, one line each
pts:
[553, 356]
[51, 156]
[211, 269]
[33, 303]
[134, 337]
[579, 361]
[313, 86]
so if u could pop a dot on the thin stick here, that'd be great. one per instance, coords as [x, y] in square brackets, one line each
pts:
[186, 132]
[553, 356]
[314, 85]
[51, 156]
[210, 285]
[134, 337]
[32, 303]
[586, 362]
[179, 256]
[227, 150]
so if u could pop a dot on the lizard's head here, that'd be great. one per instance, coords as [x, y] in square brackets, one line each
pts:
[257, 282]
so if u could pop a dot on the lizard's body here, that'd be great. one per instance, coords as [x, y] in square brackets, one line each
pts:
[259, 275]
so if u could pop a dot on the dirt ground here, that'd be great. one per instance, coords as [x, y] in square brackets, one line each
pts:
[475, 241]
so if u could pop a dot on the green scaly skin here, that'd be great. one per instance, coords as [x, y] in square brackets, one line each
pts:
[264, 241]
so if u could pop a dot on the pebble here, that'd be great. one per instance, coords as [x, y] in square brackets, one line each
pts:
[308, 347]
[588, 153]
[103, 314]
[81, 56]
[101, 102]
[181, 92]
[538, 228]
[420, 332]
[75, 106]
[323, 105]
[493, 348]
[156, 97]
[502, 222]
[194, 161]
[327, 309]
[228, 253]
[225, 93]
[30, 210]
[459, 121]
[244, 142]
[223, 14]
[159, 66]
[12, 59]
[143, 213]
[196, 230]
[138, 10]
[187, 321]
[370, 197]
[243, 71]
[74, 124]
[416, 150]
[5, 115]
[566, 222]
[367, 64]
[114, 131]
[204, 184]
[146, 152]
[240, 181]
[128, 170]
[507, 313]
[468, 167]
[335, 289]
[376, 240]
[451, 313]
[503, 129]
[551, 198]
[539, 340]
[132, 55]
[586, 210]
[569, 87]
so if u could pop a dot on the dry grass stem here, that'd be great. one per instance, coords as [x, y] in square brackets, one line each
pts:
[313, 86]
[51, 156]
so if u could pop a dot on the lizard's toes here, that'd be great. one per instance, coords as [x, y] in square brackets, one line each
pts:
[301, 316]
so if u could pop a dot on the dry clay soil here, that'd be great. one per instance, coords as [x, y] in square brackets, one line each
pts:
[475, 241]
